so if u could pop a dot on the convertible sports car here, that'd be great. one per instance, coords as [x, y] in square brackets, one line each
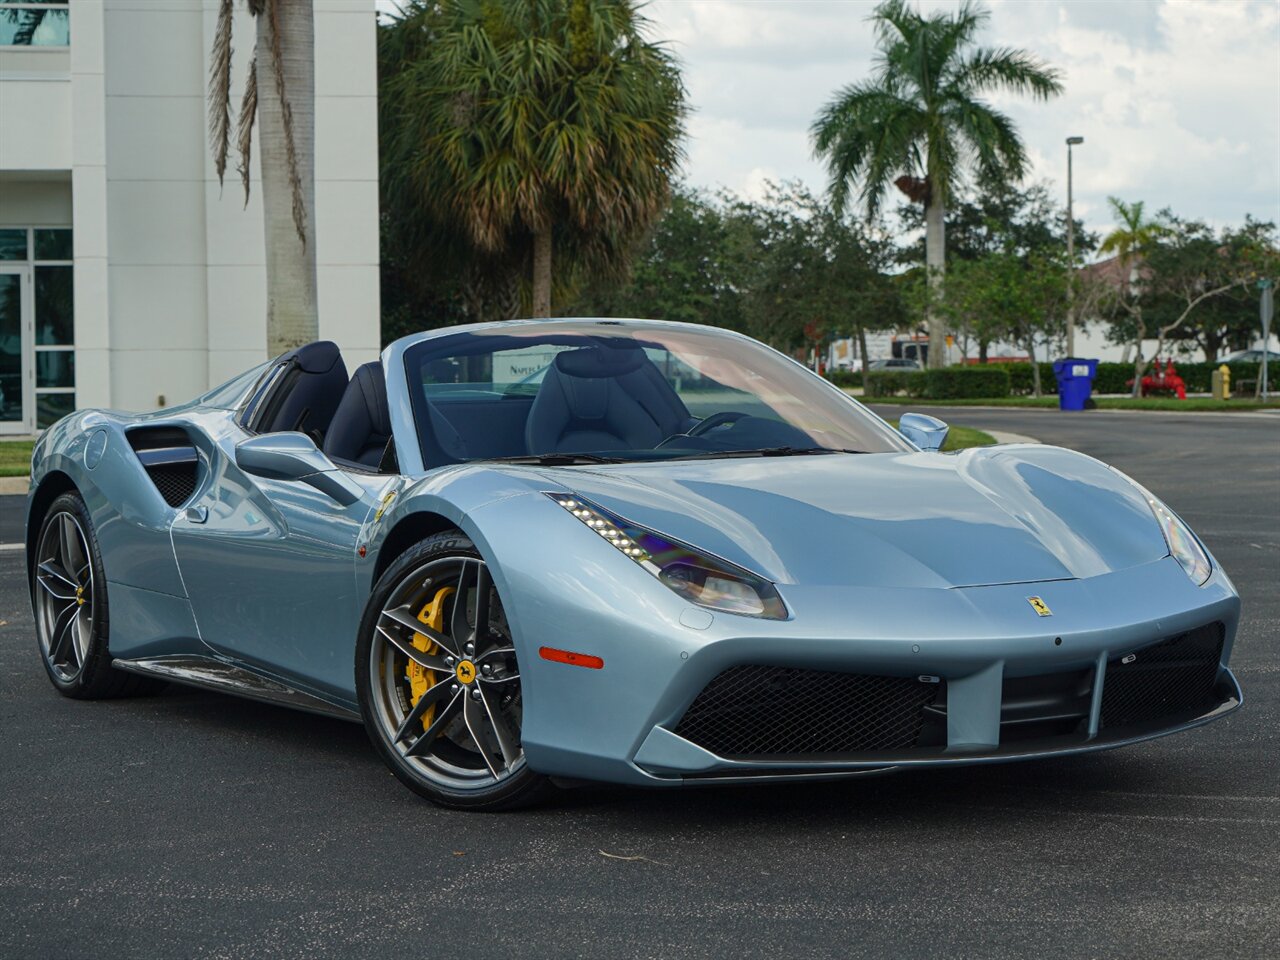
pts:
[539, 552]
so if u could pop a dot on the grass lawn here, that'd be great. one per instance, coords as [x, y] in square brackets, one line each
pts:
[15, 458]
[1190, 405]
[958, 438]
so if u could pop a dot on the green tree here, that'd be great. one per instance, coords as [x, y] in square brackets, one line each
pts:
[1131, 244]
[921, 119]
[286, 116]
[1010, 295]
[536, 132]
[692, 268]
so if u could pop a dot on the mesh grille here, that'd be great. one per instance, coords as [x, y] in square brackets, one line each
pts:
[1172, 677]
[175, 481]
[762, 710]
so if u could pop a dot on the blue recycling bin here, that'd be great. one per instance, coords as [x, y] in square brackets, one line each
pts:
[1075, 382]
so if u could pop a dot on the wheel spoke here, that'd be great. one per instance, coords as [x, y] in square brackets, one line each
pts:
[70, 551]
[458, 625]
[61, 633]
[507, 744]
[443, 717]
[479, 725]
[53, 579]
[433, 694]
[428, 661]
[484, 583]
[405, 618]
[496, 652]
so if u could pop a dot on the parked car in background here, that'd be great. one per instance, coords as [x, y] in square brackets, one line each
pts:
[1250, 356]
[895, 363]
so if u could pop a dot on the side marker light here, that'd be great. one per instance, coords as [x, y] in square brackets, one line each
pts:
[572, 659]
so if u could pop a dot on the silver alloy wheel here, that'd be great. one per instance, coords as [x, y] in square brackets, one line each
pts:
[463, 731]
[65, 598]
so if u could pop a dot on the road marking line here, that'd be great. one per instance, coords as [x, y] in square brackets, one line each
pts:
[12, 546]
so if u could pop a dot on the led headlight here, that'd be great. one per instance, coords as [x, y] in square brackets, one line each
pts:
[699, 578]
[1182, 543]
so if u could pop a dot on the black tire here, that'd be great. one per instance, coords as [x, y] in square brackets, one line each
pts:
[93, 677]
[518, 787]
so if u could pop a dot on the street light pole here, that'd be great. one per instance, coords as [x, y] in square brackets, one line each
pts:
[1071, 256]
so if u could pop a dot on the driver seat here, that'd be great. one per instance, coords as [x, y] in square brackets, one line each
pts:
[604, 398]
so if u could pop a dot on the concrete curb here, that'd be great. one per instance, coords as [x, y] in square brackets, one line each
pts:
[14, 486]
[1002, 436]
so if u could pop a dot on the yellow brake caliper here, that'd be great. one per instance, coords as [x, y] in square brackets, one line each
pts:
[420, 678]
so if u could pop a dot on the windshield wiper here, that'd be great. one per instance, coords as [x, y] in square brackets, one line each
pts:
[766, 452]
[554, 459]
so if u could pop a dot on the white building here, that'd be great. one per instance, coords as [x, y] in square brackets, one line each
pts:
[128, 278]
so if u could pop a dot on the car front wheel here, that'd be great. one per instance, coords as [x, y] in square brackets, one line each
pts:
[439, 681]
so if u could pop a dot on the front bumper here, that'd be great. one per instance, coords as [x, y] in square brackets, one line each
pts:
[985, 646]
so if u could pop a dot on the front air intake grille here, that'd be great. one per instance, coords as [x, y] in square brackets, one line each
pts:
[753, 711]
[1171, 678]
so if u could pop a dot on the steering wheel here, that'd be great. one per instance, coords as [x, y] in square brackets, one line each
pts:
[715, 420]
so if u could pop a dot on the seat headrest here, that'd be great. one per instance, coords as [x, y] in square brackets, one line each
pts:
[593, 363]
[318, 357]
[373, 387]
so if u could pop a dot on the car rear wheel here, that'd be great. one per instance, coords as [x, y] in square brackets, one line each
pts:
[70, 604]
[439, 681]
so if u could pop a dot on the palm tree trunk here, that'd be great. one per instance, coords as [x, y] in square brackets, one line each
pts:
[862, 350]
[935, 253]
[1139, 361]
[542, 272]
[288, 205]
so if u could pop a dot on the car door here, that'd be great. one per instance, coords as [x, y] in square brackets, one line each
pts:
[269, 566]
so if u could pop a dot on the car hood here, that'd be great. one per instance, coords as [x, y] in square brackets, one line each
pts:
[1015, 514]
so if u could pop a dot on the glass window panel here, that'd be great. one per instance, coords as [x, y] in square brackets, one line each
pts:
[52, 407]
[55, 368]
[10, 346]
[13, 244]
[32, 27]
[55, 324]
[53, 245]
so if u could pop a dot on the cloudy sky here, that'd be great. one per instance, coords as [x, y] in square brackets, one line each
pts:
[1178, 100]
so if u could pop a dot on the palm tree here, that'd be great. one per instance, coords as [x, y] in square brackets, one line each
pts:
[285, 43]
[920, 119]
[546, 126]
[1130, 243]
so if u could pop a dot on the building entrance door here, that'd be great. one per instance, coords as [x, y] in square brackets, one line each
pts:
[17, 394]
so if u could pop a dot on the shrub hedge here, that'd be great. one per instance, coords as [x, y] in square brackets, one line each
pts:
[889, 383]
[963, 383]
[1015, 379]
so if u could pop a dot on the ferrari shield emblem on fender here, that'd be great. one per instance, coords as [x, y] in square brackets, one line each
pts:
[1040, 607]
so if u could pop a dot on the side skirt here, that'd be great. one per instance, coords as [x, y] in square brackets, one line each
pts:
[224, 677]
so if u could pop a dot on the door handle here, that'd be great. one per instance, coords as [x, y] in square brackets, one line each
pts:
[197, 514]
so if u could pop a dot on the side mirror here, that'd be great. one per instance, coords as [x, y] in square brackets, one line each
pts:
[927, 433]
[294, 456]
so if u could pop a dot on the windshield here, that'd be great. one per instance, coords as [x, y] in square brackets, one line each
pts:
[604, 390]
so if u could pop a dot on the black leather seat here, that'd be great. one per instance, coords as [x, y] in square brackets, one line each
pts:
[361, 426]
[604, 398]
[309, 390]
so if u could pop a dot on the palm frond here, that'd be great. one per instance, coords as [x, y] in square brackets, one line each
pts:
[220, 89]
[1004, 68]
[244, 129]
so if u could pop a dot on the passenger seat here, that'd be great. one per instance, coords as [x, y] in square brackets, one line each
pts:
[361, 427]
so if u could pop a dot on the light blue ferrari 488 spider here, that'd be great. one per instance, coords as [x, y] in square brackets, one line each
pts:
[538, 552]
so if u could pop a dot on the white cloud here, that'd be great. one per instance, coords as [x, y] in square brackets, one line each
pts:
[1179, 102]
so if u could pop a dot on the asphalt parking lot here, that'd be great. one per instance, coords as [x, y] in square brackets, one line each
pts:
[191, 824]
